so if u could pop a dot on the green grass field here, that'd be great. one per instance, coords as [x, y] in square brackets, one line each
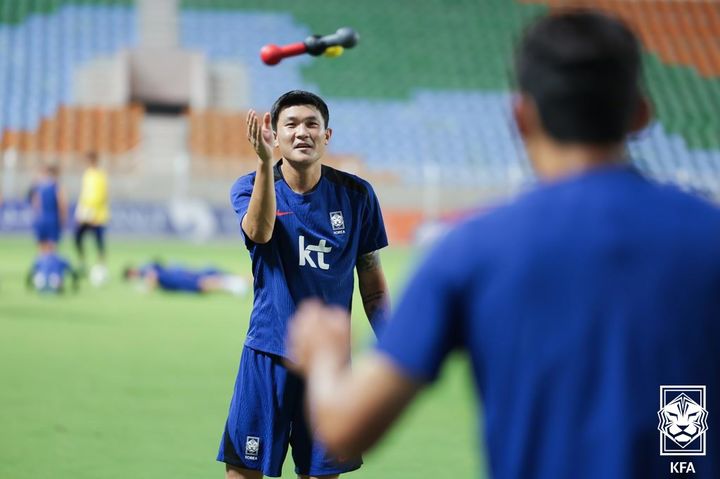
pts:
[117, 383]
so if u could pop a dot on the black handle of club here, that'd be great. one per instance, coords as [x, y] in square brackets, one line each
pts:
[345, 37]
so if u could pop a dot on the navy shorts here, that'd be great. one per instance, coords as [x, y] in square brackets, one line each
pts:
[266, 416]
[47, 231]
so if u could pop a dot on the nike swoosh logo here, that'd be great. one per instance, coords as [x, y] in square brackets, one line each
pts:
[283, 213]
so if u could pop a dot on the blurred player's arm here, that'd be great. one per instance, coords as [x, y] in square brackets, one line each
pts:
[33, 199]
[373, 289]
[150, 279]
[62, 206]
[259, 221]
[350, 409]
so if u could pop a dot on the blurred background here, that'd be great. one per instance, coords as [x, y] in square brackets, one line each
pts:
[111, 382]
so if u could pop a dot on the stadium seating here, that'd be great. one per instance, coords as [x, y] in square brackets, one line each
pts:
[76, 130]
[41, 45]
[425, 96]
[436, 108]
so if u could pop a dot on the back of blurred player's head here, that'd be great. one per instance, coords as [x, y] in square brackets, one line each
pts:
[298, 97]
[582, 69]
[92, 158]
[52, 169]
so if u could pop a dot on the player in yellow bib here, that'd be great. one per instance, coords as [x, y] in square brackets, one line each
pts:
[92, 214]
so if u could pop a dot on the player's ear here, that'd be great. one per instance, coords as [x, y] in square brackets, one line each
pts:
[328, 134]
[519, 114]
[526, 114]
[642, 115]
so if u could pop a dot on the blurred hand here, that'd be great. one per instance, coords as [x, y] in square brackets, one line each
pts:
[260, 136]
[318, 332]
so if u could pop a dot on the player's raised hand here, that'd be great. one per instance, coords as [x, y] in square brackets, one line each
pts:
[260, 135]
[318, 333]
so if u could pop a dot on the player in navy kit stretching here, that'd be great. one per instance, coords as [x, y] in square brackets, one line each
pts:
[308, 227]
[48, 273]
[179, 278]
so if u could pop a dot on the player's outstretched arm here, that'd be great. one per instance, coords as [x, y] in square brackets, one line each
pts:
[373, 290]
[151, 280]
[259, 221]
[350, 409]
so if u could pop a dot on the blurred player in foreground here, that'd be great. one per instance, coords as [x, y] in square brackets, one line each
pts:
[308, 227]
[182, 279]
[575, 303]
[49, 206]
[91, 215]
[49, 272]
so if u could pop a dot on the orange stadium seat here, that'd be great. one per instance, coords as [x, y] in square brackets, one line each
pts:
[680, 32]
[72, 131]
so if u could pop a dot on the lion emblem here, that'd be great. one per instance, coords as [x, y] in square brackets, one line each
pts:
[682, 420]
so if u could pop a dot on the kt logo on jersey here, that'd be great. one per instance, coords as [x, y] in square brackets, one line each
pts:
[306, 256]
[683, 420]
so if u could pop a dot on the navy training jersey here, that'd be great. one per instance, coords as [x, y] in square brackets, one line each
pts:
[316, 241]
[575, 304]
[48, 209]
[178, 278]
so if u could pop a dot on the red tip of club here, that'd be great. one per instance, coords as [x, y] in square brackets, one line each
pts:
[271, 54]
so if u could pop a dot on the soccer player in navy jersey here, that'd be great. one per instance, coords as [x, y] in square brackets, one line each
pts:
[308, 227]
[577, 303]
[49, 208]
[49, 272]
[177, 278]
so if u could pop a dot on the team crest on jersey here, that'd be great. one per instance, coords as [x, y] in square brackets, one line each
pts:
[683, 420]
[338, 222]
[252, 448]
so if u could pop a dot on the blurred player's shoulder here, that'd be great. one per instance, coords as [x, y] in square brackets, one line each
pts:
[618, 199]
[689, 199]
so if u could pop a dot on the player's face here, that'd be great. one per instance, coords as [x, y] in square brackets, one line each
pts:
[301, 134]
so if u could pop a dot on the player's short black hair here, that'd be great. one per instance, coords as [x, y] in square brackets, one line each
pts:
[298, 97]
[583, 70]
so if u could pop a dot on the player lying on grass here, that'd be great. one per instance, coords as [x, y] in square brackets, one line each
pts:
[182, 279]
[574, 303]
[48, 273]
